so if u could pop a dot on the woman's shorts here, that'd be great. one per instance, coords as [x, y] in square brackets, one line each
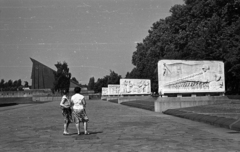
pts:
[80, 116]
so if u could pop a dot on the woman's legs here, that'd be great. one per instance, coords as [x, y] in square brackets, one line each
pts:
[65, 127]
[85, 128]
[78, 127]
[67, 113]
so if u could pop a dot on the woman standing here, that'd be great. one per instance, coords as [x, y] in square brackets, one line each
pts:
[65, 105]
[79, 113]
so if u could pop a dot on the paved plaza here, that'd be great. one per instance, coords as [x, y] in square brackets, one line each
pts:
[113, 128]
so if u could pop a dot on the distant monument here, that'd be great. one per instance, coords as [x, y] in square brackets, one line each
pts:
[113, 89]
[185, 83]
[183, 76]
[104, 91]
[43, 76]
[135, 86]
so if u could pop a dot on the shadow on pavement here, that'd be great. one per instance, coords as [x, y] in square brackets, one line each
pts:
[8, 104]
[234, 132]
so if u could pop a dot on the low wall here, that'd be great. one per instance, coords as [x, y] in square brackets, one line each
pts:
[26, 93]
[112, 98]
[52, 98]
[46, 98]
[94, 96]
[16, 100]
[33, 99]
[103, 97]
[7, 94]
[165, 103]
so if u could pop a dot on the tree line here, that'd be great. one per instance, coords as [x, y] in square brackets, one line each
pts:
[195, 30]
[12, 85]
[112, 78]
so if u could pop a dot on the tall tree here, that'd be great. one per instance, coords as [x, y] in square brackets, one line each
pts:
[62, 77]
[101, 82]
[19, 83]
[2, 84]
[114, 78]
[10, 83]
[26, 84]
[91, 83]
[196, 30]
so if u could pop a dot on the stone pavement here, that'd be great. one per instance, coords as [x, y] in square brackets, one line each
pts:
[113, 127]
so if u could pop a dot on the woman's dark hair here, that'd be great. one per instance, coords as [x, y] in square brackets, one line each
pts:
[77, 89]
[64, 91]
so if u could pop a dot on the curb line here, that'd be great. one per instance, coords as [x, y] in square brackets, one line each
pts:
[228, 123]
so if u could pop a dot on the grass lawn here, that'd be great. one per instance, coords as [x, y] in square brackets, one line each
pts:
[227, 110]
[143, 104]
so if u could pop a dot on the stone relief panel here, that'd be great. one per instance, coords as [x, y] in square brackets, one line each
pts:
[113, 89]
[183, 76]
[135, 86]
[104, 91]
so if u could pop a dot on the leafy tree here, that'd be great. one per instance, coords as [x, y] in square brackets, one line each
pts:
[9, 83]
[196, 30]
[26, 84]
[19, 83]
[91, 83]
[2, 84]
[14, 86]
[15, 83]
[62, 77]
[112, 78]
[101, 82]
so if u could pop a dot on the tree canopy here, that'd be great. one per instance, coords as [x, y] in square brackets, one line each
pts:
[112, 78]
[11, 85]
[91, 83]
[62, 77]
[196, 30]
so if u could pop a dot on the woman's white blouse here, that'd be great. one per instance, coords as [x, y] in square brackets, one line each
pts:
[77, 101]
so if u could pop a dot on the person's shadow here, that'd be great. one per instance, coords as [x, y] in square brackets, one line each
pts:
[90, 133]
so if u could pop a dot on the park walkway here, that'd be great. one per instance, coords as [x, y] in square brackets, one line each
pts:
[113, 127]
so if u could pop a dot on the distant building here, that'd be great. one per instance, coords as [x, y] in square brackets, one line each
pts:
[43, 76]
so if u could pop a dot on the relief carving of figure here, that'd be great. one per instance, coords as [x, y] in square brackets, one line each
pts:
[125, 85]
[129, 87]
[146, 87]
[217, 84]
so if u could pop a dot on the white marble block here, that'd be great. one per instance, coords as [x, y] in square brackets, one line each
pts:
[187, 76]
[135, 86]
[104, 91]
[113, 89]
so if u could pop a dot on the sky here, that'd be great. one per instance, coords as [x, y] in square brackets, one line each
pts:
[91, 36]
